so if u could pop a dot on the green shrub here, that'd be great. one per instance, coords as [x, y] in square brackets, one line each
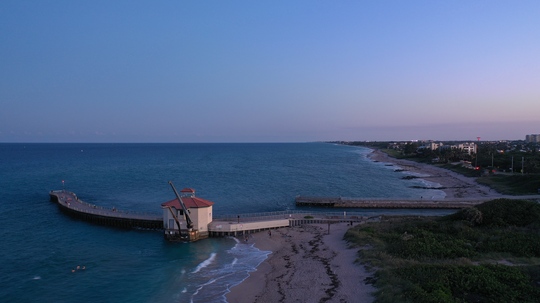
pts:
[427, 259]
[505, 212]
[515, 184]
[452, 283]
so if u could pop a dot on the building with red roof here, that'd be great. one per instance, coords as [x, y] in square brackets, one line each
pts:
[199, 211]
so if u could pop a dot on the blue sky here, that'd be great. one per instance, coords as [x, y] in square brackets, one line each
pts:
[268, 71]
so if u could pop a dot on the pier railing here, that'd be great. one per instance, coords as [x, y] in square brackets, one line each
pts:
[70, 203]
[291, 214]
[108, 212]
[74, 203]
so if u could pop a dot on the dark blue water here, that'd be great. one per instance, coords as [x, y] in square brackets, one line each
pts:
[41, 246]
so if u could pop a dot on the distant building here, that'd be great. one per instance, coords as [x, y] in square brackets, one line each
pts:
[435, 146]
[431, 146]
[469, 147]
[535, 138]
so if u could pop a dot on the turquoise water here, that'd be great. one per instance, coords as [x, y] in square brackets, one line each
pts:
[41, 246]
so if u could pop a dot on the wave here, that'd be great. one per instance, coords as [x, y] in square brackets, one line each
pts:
[205, 263]
[226, 271]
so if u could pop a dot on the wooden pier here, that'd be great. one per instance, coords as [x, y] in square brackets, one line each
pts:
[72, 205]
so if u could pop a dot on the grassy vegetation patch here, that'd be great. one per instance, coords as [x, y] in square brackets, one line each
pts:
[458, 283]
[515, 184]
[461, 170]
[426, 259]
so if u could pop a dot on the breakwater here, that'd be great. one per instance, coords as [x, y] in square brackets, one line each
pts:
[69, 203]
[340, 202]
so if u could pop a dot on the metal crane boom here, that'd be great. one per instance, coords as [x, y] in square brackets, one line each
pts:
[186, 214]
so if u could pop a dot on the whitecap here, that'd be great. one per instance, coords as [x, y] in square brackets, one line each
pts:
[205, 263]
[420, 175]
[210, 282]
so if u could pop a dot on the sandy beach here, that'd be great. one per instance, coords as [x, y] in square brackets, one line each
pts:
[311, 264]
[455, 185]
[308, 264]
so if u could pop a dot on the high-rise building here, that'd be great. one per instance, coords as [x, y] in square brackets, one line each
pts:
[535, 138]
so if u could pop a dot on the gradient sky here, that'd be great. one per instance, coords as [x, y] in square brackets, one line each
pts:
[268, 71]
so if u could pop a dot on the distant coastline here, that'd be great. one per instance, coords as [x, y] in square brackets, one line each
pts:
[453, 184]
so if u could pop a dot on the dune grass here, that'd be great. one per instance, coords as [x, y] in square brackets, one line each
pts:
[490, 253]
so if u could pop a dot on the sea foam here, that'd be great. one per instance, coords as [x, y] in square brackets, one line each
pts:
[205, 263]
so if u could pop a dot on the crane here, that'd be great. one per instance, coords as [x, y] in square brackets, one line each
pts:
[189, 222]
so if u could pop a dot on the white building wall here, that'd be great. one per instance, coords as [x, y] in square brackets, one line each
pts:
[226, 226]
[201, 217]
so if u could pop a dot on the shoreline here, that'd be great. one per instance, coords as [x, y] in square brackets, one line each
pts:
[454, 184]
[307, 256]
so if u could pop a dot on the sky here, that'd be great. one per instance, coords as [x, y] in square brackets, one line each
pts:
[268, 71]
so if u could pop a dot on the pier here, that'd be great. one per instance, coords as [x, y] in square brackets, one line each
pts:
[402, 203]
[340, 202]
[256, 222]
[244, 224]
[232, 225]
[69, 203]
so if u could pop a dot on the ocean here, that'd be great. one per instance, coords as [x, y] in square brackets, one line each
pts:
[42, 247]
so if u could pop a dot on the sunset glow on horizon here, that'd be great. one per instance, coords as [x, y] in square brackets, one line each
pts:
[238, 71]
